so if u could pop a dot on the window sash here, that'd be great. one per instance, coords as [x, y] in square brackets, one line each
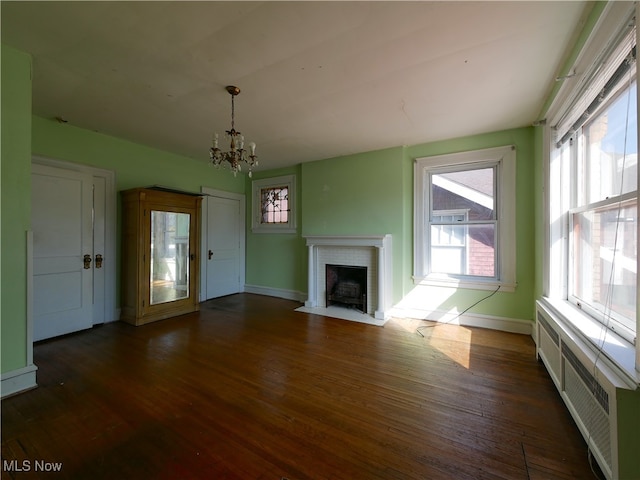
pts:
[603, 262]
[602, 290]
[597, 171]
[470, 257]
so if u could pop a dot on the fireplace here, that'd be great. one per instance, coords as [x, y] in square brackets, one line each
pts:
[373, 253]
[346, 286]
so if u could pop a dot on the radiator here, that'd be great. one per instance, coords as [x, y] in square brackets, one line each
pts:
[588, 398]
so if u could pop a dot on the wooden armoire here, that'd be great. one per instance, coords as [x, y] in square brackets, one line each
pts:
[160, 249]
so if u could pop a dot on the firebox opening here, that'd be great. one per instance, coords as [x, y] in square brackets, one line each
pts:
[347, 286]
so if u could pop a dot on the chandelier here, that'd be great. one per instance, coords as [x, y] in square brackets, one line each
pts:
[237, 153]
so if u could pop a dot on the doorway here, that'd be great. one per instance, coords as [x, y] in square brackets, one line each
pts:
[73, 249]
[223, 244]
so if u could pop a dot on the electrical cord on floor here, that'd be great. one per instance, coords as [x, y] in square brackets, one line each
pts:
[458, 315]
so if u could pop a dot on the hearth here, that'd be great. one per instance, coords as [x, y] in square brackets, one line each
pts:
[346, 286]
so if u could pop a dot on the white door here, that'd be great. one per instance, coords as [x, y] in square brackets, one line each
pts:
[61, 204]
[224, 254]
[100, 257]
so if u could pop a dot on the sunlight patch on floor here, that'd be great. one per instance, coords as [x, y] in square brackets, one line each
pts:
[452, 340]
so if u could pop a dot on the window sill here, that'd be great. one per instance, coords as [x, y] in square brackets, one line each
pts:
[618, 351]
[443, 281]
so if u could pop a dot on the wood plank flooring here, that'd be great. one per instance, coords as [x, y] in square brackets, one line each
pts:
[247, 388]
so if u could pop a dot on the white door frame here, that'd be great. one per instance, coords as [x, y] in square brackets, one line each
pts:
[112, 313]
[202, 296]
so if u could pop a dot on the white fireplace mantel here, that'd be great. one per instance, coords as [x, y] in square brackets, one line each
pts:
[383, 266]
[349, 241]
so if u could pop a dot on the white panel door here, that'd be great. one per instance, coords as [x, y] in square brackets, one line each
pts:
[223, 246]
[61, 220]
[99, 202]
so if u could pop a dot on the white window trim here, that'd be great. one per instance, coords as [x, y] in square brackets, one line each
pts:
[603, 42]
[274, 182]
[505, 157]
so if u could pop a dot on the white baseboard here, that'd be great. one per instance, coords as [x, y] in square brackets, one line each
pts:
[512, 325]
[17, 381]
[276, 292]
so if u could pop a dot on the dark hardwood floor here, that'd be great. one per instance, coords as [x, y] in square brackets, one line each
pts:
[250, 389]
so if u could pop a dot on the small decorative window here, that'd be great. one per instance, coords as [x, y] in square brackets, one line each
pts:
[273, 205]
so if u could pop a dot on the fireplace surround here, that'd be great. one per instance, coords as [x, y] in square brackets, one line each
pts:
[370, 251]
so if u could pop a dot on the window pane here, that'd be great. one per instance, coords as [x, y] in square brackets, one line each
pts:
[474, 254]
[611, 141]
[603, 238]
[448, 234]
[471, 190]
[275, 205]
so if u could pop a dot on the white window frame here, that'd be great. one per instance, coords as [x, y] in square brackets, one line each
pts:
[257, 226]
[505, 159]
[602, 53]
[567, 201]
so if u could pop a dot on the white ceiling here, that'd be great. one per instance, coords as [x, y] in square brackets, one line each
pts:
[318, 79]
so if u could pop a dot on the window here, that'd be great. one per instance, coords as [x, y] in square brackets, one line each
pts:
[594, 198]
[465, 219]
[273, 205]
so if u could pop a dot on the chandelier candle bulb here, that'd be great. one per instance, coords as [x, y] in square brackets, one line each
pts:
[252, 147]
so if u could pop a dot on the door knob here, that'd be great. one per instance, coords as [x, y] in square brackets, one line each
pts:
[210, 254]
[98, 261]
[87, 262]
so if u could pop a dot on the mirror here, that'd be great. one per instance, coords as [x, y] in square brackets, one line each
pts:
[169, 256]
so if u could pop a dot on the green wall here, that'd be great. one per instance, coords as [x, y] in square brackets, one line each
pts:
[135, 165]
[359, 194]
[15, 201]
[276, 260]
